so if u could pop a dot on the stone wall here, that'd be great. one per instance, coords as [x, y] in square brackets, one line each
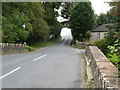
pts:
[82, 44]
[104, 72]
[6, 48]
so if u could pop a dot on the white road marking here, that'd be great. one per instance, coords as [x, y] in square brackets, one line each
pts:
[10, 72]
[39, 57]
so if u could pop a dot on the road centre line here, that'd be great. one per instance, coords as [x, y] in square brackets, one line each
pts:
[10, 72]
[39, 57]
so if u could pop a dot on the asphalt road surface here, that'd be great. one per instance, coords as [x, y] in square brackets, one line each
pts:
[56, 66]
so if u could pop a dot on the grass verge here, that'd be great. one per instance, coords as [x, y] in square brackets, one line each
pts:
[84, 71]
[44, 44]
[74, 46]
[91, 84]
[29, 48]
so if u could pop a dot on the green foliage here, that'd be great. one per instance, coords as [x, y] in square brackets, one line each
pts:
[102, 19]
[13, 33]
[29, 48]
[81, 19]
[100, 44]
[13, 20]
[116, 47]
[87, 35]
[38, 18]
[110, 17]
[110, 46]
[113, 58]
[66, 9]
[115, 10]
[111, 43]
[50, 17]
[107, 41]
[114, 50]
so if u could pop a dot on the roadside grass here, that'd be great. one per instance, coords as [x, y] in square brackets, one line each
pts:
[44, 44]
[84, 71]
[74, 46]
[91, 84]
[29, 48]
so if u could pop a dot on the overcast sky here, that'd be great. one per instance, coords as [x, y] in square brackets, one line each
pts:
[100, 6]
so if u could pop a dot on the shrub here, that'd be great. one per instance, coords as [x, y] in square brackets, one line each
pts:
[115, 60]
[114, 55]
[101, 44]
[107, 41]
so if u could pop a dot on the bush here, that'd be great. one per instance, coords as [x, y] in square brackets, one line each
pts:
[107, 41]
[102, 45]
[29, 48]
[115, 60]
[99, 43]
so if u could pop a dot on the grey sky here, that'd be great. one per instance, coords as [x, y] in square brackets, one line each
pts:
[100, 6]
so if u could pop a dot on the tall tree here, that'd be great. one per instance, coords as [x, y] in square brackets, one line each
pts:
[29, 21]
[40, 26]
[13, 20]
[65, 11]
[51, 18]
[105, 18]
[116, 13]
[102, 19]
[81, 19]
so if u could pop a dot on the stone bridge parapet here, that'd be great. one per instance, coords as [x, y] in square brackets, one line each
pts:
[105, 74]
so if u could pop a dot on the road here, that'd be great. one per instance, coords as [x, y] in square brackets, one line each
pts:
[56, 66]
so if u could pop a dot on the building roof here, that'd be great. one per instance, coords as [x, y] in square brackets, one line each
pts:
[101, 28]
